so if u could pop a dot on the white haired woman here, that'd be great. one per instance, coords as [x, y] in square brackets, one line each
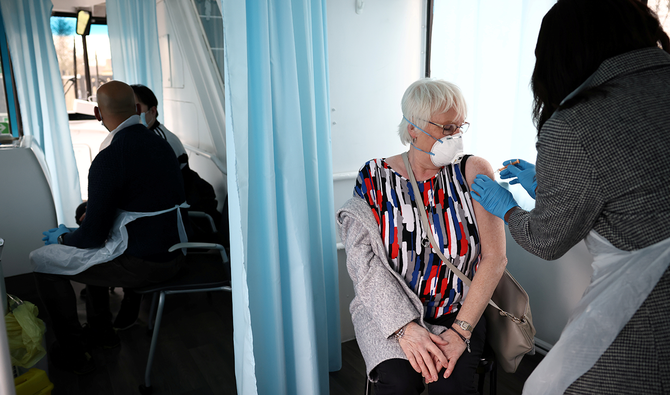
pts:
[412, 318]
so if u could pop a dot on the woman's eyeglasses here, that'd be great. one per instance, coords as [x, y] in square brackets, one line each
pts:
[451, 128]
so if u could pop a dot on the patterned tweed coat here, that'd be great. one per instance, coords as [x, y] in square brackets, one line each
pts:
[604, 164]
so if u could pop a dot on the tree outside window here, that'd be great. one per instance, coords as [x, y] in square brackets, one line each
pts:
[70, 53]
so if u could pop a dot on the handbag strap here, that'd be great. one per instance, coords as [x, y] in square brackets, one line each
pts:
[429, 232]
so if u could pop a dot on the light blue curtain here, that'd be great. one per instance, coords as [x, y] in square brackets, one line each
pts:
[487, 48]
[285, 278]
[40, 92]
[133, 41]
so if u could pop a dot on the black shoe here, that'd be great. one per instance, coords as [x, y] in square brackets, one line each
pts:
[106, 339]
[129, 311]
[77, 362]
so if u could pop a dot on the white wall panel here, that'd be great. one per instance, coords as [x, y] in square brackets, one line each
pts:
[373, 56]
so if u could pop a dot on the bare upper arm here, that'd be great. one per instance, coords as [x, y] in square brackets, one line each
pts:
[491, 228]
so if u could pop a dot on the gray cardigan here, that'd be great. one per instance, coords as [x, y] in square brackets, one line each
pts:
[383, 302]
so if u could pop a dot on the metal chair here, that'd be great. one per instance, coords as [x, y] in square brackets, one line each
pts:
[204, 216]
[201, 273]
[487, 364]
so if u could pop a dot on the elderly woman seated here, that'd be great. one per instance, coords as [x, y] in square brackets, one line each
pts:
[415, 320]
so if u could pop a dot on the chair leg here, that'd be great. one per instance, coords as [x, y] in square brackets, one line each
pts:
[154, 340]
[493, 378]
[480, 385]
[150, 325]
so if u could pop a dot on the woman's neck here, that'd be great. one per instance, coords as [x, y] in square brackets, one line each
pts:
[422, 170]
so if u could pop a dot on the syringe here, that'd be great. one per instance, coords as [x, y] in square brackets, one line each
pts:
[505, 167]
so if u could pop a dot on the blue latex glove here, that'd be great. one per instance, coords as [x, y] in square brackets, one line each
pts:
[51, 235]
[494, 198]
[522, 173]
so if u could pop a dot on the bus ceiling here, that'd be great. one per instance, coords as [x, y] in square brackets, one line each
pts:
[95, 7]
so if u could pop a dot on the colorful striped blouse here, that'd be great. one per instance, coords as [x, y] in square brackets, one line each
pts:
[451, 216]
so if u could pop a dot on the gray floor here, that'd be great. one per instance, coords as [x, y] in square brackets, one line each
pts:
[195, 352]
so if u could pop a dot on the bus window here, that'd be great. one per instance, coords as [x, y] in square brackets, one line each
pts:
[4, 113]
[211, 20]
[70, 49]
[10, 125]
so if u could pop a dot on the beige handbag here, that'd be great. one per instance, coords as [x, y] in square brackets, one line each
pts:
[509, 322]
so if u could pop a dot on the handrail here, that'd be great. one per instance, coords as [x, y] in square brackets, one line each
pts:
[349, 175]
[209, 156]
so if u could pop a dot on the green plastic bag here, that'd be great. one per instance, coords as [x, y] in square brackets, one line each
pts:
[24, 332]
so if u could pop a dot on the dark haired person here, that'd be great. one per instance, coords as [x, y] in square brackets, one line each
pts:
[602, 92]
[149, 117]
[199, 193]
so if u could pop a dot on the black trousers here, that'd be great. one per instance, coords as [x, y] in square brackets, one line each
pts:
[60, 301]
[396, 376]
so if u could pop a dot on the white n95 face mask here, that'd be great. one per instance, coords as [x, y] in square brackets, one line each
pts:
[446, 150]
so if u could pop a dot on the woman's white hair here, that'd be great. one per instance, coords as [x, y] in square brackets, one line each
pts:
[427, 97]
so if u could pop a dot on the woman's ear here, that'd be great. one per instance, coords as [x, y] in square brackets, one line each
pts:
[411, 130]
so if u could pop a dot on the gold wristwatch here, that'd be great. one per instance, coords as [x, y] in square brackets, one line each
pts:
[464, 325]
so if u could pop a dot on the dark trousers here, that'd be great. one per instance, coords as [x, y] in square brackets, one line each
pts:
[60, 301]
[396, 376]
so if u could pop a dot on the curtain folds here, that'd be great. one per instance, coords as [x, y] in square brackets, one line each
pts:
[133, 41]
[40, 92]
[280, 183]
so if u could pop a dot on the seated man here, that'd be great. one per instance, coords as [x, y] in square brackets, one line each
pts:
[135, 185]
[199, 195]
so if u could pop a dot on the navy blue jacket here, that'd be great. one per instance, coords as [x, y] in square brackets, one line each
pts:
[139, 172]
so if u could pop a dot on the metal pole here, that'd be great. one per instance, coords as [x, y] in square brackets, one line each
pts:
[97, 74]
[74, 62]
[87, 72]
[429, 35]
[6, 378]
[6, 373]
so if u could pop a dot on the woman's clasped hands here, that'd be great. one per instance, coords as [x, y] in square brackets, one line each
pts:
[452, 350]
[429, 353]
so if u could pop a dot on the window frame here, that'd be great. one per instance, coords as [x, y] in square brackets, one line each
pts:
[13, 108]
